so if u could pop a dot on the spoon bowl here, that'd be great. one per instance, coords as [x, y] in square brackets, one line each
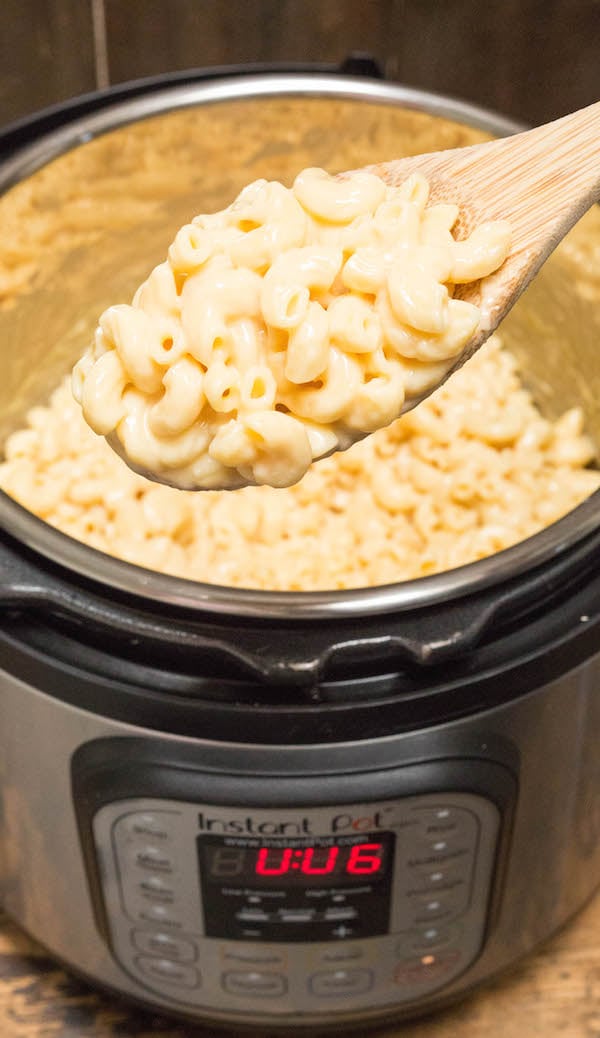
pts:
[535, 184]
[541, 181]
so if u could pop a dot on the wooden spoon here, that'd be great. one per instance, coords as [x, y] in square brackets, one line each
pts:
[541, 181]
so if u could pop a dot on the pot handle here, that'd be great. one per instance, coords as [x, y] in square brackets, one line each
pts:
[284, 654]
[300, 656]
[20, 583]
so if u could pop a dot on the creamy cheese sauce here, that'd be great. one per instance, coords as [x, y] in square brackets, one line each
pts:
[284, 327]
[473, 469]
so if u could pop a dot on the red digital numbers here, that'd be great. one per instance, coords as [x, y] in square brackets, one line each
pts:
[264, 866]
[364, 859]
[328, 864]
[359, 859]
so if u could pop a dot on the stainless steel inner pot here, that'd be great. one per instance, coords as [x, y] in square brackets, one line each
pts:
[88, 210]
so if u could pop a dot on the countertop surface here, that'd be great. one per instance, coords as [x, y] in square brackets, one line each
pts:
[555, 992]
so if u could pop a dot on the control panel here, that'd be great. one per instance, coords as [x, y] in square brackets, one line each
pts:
[355, 907]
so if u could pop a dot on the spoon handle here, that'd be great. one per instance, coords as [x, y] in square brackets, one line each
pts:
[542, 180]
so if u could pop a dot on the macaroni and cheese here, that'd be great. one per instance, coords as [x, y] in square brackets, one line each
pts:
[283, 328]
[473, 469]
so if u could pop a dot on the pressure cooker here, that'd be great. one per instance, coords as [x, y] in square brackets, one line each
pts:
[284, 810]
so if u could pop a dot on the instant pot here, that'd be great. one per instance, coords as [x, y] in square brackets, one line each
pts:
[283, 810]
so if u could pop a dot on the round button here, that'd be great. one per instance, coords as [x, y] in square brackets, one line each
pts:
[439, 852]
[164, 945]
[151, 856]
[438, 880]
[157, 888]
[341, 983]
[454, 822]
[430, 968]
[440, 871]
[146, 825]
[166, 970]
[441, 904]
[164, 915]
[430, 937]
[254, 983]
[431, 906]
[441, 844]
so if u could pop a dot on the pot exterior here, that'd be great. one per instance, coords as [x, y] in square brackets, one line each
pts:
[526, 760]
[547, 741]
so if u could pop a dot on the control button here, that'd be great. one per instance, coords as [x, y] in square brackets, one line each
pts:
[151, 856]
[426, 969]
[342, 930]
[146, 825]
[254, 983]
[430, 907]
[442, 905]
[448, 819]
[445, 814]
[441, 844]
[157, 888]
[341, 983]
[432, 937]
[296, 915]
[252, 915]
[338, 914]
[434, 874]
[171, 972]
[164, 945]
[164, 915]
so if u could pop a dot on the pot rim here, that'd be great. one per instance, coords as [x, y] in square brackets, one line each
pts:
[106, 570]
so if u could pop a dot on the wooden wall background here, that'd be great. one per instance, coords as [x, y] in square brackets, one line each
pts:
[533, 59]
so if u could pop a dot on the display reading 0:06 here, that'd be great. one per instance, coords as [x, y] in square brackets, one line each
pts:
[289, 864]
[361, 859]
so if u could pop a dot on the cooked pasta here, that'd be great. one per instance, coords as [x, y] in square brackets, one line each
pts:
[287, 326]
[472, 470]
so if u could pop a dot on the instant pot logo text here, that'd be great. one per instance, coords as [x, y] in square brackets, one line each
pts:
[344, 822]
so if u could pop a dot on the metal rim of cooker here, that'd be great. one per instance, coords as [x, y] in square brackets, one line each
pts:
[104, 569]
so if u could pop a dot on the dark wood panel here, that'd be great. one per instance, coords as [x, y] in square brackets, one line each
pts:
[46, 53]
[534, 59]
[150, 36]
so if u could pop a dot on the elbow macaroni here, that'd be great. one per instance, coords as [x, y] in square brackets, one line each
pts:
[470, 471]
[284, 327]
